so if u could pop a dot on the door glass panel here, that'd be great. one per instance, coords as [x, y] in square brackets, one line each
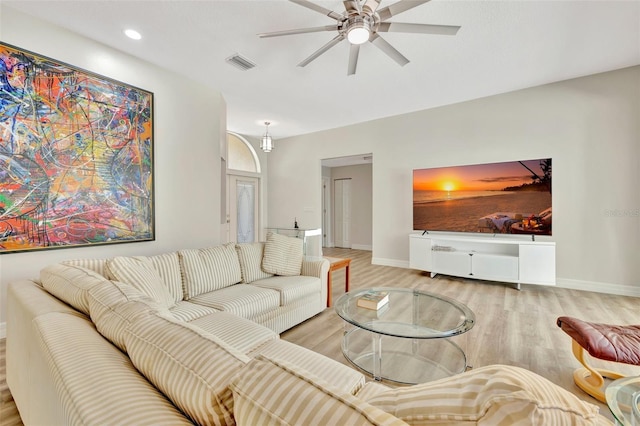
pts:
[246, 201]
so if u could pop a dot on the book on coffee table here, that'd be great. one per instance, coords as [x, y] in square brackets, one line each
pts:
[373, 299]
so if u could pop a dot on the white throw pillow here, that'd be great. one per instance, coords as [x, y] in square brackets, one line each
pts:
[282, 255]
[139, 272]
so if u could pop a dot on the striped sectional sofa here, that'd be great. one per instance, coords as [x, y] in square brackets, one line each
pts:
[99, 342]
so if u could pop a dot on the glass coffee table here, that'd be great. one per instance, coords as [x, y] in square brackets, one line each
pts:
[623, 399]
[406, 340]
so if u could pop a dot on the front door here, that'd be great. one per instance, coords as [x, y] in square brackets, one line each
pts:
[243, 208]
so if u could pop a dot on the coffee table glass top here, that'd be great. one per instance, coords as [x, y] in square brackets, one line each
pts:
[623, 398]
[409, 313]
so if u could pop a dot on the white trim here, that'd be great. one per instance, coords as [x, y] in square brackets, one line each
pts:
[599, 287]
[390, 262]
[362, 247]
[3, 330]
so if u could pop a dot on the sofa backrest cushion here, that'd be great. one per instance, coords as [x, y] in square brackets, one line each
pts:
[168, 266]
[70, 284]
[209, 269]
[140, 273]
[96, 265]
[491, 395]
[113, 305]
[250, 256]
[279, 393]
[282, 255]
[191, 367]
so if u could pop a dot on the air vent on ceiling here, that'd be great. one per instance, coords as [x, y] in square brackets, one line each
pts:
[238, 61]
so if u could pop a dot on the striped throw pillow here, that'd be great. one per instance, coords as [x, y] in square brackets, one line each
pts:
[71, 284]
[250, 256]
[278, 393]
[494, 395]
[209, 269]
[168, 266]
[139, 272]
[113, 305]
[282, 255]
[191, 367]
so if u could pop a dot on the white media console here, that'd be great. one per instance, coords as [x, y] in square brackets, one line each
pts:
[491, 257]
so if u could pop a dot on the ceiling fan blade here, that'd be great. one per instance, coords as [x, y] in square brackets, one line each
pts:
[398, 7]
[370, 6]
[337, 39]
[317, 8]
[353, 59]
[352, 6]
[418, 28]
[299, 31]
[391, 51]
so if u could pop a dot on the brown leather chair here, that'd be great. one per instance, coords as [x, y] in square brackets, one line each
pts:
[617, 343]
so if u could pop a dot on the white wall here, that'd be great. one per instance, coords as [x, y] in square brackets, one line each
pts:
[590, 126]
[361, 202]
[189, 120]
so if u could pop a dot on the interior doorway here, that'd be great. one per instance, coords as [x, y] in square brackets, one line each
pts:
[244, 211]
[356, 223]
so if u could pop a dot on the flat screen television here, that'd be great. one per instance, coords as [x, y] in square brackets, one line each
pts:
[499, 198]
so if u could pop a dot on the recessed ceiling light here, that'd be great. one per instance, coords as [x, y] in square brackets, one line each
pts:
[133, 34]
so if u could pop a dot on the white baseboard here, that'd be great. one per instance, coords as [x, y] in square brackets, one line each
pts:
[361, 247]
[3, 330]
[390, 262]
[599, 287]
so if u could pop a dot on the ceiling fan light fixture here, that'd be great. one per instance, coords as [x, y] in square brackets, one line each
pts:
[358, 30]
[266, 143]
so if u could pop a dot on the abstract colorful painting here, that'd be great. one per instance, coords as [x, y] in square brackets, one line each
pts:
[76, 156]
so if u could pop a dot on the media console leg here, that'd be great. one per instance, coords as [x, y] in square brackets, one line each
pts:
[433, 274]
[518, 286]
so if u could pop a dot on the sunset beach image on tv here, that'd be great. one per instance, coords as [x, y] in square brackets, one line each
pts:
[506, 198]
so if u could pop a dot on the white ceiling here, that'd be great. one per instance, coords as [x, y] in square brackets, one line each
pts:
[502, 46]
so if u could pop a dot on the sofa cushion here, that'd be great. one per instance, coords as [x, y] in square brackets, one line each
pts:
[282, 255]
[187, 311]
[290, 288]
[140, 273]
[168, 267]
[250, 256]
[241, 333]
[191, 367]
[209, 269]
[113, 305]
[338, 375]
[279, 393]
[491, 395]
[243, 300]
[70, 284]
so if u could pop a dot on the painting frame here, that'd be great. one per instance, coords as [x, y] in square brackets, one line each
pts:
[76, 156]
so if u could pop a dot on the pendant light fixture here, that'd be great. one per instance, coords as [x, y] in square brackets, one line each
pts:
[267, 142]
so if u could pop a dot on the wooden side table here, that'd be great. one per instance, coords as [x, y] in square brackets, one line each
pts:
[336, 263]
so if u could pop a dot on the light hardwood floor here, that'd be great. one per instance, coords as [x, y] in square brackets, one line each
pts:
[512, 327]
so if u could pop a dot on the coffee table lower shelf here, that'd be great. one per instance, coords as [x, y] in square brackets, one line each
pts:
[400, 359]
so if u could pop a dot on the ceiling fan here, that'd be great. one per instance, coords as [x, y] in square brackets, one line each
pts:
[362, 22]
